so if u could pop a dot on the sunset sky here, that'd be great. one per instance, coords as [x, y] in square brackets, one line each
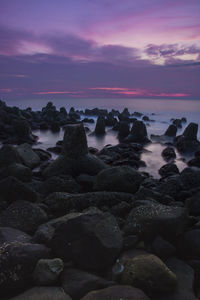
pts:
[100, 48]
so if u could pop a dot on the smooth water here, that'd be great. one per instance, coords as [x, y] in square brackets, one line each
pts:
[159, 110]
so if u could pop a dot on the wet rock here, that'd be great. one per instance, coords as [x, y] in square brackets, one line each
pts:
[171, 131]
[190, 178]
[177, 123]
[150, 274]
[162, 248]
[43, 293]
[78, 283]
[55, 127]
[195, 162]
[118, 179]
[168, 170]
[75, 158]
[17, 262]
[138, 133]
[28, 156]
[12, 189]
[168, 153]
[123, 130]
[43, 234]
[23, 132]
[79, 231]
[155, 219]
[187, 142]
[23, 215]
[189, 244]
[47, 271]
[117, 292]
[43, 155]
[193, 204]
[100, 126]
[9, 235]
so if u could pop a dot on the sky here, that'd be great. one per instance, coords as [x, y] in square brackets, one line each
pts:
[100, 48]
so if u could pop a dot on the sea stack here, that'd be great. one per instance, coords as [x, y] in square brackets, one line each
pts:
[75, 158]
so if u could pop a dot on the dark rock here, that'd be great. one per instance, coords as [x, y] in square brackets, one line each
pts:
[162, 248]
[43, 293]
[155, 219]
[8, 156]
[43, 234]
[190, 178]
[138, 133]
[171, 131]
[9, 235]
[28, 156]
[117, 292]
[100, 126]
[47, 271]
[150, 274]
[55, 127]
[59, 184]
[79, 231]
[18, 171]
[13, 189]
[123, 130]
[75, 158]
[86, 182]
[168, 153]
[17, 262]
[43, 155]
[118, 179]
[189, 244]
[145, 118]
[177, 123]
[195, 162]
[187, 142]
[168, 170]
[23, 215]
[77, 283]
[193, 204]
[62, 203]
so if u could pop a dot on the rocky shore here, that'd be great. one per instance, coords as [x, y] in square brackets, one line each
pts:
[89, 224]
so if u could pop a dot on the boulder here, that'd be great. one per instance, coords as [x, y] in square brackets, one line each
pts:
[47, 271]
[193, 204]
[23, 215]
[187, 142]
[168, 170]
[28, 156]
[162, 248]
[118, 179]
[91, 239]
[189, 244]
[9, 235]
[190, 178]
[43, 293]
[155, 219]
[78, 283]
[8, 156]
[117, 292]
[17, 262]
[168, 153]
[12, 189]
[123, 130]
[138, 133]
[18, 171]
[74, 158]
[150, 274]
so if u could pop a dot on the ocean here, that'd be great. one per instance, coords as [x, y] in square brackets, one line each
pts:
[159, 110]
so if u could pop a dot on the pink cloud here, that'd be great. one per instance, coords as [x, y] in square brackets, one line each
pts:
[6, 90]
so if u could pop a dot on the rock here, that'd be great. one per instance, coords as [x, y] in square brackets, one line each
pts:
[138, 133]
[170, 186]
[75, 158]
[177, 123]
[8, 156]
[187, 142]
[190, 178]
[189, 244]
[23, 215]
[162, 248]
[78, 283]
[28, 156]
[43, 234]
[195, 162]
[118, 179]
[123, 130]
[100, 126]
[155, 219]
[86, 182]
[47, 271]
[43, 155]
[146, 118]
[81, 230]
[150, 274]
[185, 278]
[62, 203]
[55, 127]
[43, 293]
[171, 131]
[13, 189]
[168, 170]
[59, 184]
[117, 292]
[18, 171]
[23, 132]
[168, 153]
[17, 262]
[9, 235]
[193, 204]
